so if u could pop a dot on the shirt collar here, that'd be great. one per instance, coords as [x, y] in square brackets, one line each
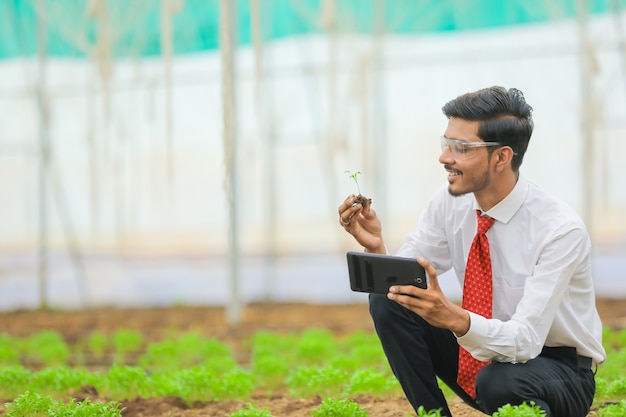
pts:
[505, 209]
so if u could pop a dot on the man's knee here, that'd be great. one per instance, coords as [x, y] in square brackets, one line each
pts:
[379, 307]
[497, 385]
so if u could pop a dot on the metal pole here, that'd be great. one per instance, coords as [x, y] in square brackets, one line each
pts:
[265, 120]
[379, 125]
[44, 153]
[586, 96]
[227, 46]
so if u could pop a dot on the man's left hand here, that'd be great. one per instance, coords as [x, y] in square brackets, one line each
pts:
[431, 304]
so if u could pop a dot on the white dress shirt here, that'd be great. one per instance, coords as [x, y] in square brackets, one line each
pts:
[543, 293]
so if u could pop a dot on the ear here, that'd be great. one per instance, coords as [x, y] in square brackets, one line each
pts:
[502, 157]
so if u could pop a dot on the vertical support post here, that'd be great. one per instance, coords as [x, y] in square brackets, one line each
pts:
[586, 97]
[44, 152]
[265, 120]
[379, 126]
[227, 47]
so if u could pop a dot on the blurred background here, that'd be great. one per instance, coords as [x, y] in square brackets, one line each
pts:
[193, 152]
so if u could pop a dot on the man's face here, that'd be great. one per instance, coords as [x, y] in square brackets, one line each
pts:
[465, 175]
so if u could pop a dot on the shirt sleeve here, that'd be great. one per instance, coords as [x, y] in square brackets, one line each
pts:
[523, 336]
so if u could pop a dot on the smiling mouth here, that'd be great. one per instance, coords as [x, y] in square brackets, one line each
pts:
[452, 172]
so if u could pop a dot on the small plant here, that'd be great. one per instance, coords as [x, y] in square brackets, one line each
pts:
[421, 412]
[369, 381]
[97, 344]
[339, 408]
[31, 404]
[360, 198]
[325, 382]
[125, 342]
[522, 410]
[48, 348]
[251, 411]
[613, 410]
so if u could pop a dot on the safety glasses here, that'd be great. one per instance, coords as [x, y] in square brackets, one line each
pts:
[462, 150]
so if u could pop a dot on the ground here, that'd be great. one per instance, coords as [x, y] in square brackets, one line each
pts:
[154, 323]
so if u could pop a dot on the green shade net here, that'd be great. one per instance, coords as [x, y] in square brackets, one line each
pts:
[132, 28]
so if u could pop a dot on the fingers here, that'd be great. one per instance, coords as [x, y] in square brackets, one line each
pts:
[347, 210]
[433, 282]
[404, 293]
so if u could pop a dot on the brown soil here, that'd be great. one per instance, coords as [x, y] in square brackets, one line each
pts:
[362, 200]
[156, 323]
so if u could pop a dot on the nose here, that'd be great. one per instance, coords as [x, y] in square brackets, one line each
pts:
[446, 156]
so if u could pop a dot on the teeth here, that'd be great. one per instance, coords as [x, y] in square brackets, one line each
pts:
[452, 173]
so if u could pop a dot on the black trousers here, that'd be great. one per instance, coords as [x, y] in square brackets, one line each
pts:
[417, 352]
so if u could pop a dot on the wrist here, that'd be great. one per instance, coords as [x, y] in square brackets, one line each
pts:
[381, 249]
[462, 325]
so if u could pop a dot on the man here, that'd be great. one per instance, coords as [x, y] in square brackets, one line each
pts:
[528, 322]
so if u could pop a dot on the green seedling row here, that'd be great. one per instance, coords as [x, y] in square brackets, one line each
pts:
[198, 369]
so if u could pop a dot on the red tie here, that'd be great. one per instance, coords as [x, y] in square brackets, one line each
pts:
[477, 291]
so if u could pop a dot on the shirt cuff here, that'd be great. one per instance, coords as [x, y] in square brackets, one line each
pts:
[476, 335]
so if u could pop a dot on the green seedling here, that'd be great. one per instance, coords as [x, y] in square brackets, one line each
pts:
[31, 404]
[9, 354]
[354, 176]
[613, 410]
[522, 410]
[97, 343]
[125, 382]
[270, 371]
[315, 346]
[339, 408]
[56, 382]
[325, 382]
[251, 411]
[125, 342]
[421, 412]
[48, 347]
[369, 381]
[14, 381]
[360, 198]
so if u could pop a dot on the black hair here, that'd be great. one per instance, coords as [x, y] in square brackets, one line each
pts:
[503, 116]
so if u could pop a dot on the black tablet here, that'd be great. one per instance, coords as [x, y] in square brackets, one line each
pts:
[375, 273]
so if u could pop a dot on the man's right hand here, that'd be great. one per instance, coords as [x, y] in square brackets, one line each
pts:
[362, 223]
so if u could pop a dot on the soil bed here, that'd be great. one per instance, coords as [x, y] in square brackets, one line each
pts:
[157, 323]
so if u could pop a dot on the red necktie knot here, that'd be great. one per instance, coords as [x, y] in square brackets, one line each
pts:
[484, 223]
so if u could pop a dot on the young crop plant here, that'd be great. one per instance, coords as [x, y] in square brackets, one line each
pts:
[250, 410]
[270, 371]
[55, 382]
[235, 385]
[125, 382]
[325, 382]
[360, 198]
[370, 381]
[522, 410]
[14, 381]
[422, 412]
[191, 347]
[9, 354]
[31, 404]
[48, 348]
[314, 347]
[339, 408]
[97, 344]
[161, 356]
[125, 342]
[613, 410]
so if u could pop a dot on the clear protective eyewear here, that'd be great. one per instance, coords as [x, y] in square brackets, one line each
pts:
[461, 149]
